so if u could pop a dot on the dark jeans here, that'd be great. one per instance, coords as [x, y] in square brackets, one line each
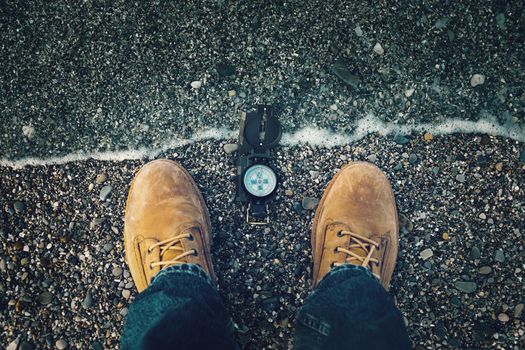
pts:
[181, 309]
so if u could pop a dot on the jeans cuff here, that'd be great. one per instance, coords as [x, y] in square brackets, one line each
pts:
[351, 270]
[174, 270]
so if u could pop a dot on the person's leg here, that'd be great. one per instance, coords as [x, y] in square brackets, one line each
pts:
[180, 309]
[354, 248]
[167, 240]
[350, 310]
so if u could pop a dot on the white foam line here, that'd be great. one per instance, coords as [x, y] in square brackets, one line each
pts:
[306, 135]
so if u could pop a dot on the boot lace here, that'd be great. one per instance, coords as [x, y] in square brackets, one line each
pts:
[357, 241]
[172, 244]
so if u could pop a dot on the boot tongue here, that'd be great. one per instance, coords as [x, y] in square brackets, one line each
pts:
[361, 252]
[178, 248]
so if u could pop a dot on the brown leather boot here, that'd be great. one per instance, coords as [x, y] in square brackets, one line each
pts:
[356, 223]
[166, 222]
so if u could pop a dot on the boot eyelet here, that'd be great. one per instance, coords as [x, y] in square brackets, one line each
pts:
[339, 233]
[195, 253]
[332, 265]
[336, 250]
[191, 237]
[150, 267]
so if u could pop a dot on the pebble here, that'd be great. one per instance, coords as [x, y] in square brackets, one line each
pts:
[499, 256]
[314, 174]
[460, 178]
[108, 247]
[412, 159]
[400, 139]
[90, 187]
[14, 344]
[428, 137]
[19, 207]
[88, 300]
[499, 166]
[518, 310]
[405, 224]
[379, 49]
[503, 317]
[26, 346]
[229, 148]
[117, 271]
[28, 131]
[466, 287]
[61, 344]
[196, 84]
[297, 207]
[477, 79]
[485, 270]
[96, 346]
[45, 298]
[358, 31]
[435, 170]
[341, 71]
[288, 193]
[224, 69]
[126, 293]
[482, 216]
[100, 178]
[426, 254]
[409, 92]
[475, 253]
[105, 191]
[309, 203]
[372, 158]
[500, 20]
[232, 93]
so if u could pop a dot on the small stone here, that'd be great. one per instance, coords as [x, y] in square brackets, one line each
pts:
[309, 203]
[409, 92]
[435, 170]
[45, 298]
[229, 148]
[428, 137]
[358, 31]
[26, 346]
[460, 178]
[482, 216]
[104, 192]
[288, 193]
[500, 21]
[342, 72]
[372, 158]
[224, 69]
[503, 317]
[19, 207]
[485, 270]
[379, 49]
[100, 178]
[499, 166]
[88, 300]
[297, 207]
[400, 139]
[28, 131]
[466, 287]
[477, 79]
[445, 236]
[123, 312]
[108, 247]
[196, 84]
[90, 187]
[14, 344]
[117, 271]
[441, 23]
[232, 93]
[314, 174]
[426, 254]
[412, 158]
[405, 224]
[518, 310]
[96, 346]
[475, 253]
[61, 344]
[126, 293]
[499, 256]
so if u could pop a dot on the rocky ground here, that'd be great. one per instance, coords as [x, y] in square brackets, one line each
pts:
[459, 280]
[107, 76]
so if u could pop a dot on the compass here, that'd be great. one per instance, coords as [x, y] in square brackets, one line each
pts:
[260, 180]
[259, 133]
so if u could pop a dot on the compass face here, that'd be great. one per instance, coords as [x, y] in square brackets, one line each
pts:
[260, 180]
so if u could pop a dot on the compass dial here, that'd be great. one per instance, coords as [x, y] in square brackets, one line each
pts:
[260, 180]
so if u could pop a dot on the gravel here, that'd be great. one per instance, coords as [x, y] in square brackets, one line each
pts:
[449, 300]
